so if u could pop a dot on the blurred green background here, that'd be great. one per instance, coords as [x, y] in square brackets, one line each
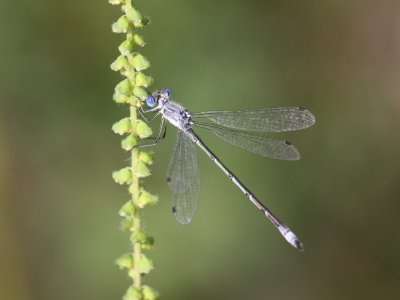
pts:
[58, 204]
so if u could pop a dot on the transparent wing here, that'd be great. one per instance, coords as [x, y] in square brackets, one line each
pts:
[255, 142]
[183, 179]
[265, 120]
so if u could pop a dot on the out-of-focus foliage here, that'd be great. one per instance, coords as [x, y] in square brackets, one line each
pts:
[59, 206]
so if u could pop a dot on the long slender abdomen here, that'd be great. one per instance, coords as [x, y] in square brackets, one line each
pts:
[283, 229]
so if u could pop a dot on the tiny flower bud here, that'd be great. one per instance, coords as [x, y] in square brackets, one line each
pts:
[121, 25]
[132, 294]
[145, 265]
[124, 261]
[140, 93]
[116, 2]
[149, 293]
[120, 63]
[123, 87]
[143, 80]
[146, 198]
[120, 98]
[122, 176]
[140, 62]
[132, 13]
[146, 157]
[122, 126]
[129, 142]
[126, 224]
[128, 209]
[143, 130]
[142, 22]
[139, 40]
[126, 47]
[141, 169]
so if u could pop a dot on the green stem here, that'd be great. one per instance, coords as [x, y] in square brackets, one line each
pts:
[137, 248]
[131, 90]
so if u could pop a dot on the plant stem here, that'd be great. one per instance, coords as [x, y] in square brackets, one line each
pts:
[137, 248]
[132, 91]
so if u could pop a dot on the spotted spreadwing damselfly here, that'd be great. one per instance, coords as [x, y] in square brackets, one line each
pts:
[242, 128]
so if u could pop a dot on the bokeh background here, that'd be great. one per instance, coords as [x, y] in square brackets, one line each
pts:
[59, 230]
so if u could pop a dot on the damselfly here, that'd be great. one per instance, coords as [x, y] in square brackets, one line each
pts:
[241, 128]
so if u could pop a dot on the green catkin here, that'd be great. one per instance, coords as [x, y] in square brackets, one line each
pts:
[131, 91]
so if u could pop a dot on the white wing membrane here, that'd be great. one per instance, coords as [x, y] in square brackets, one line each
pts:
[264, 120]
[255, 142]
[183, 179]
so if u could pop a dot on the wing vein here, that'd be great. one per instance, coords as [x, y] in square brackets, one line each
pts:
[254, 142]
[277, 119]
[183, 179]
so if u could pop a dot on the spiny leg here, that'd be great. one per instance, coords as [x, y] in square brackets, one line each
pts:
[161, 135]
[142, 114]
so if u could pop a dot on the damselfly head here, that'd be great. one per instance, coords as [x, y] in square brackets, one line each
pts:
[158, 98]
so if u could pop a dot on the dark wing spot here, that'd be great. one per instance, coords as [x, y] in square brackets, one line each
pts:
[168, 179]
[173, 209]
[288, 143]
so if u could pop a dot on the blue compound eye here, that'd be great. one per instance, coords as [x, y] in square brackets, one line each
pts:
[168, 91]
[150, 101]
